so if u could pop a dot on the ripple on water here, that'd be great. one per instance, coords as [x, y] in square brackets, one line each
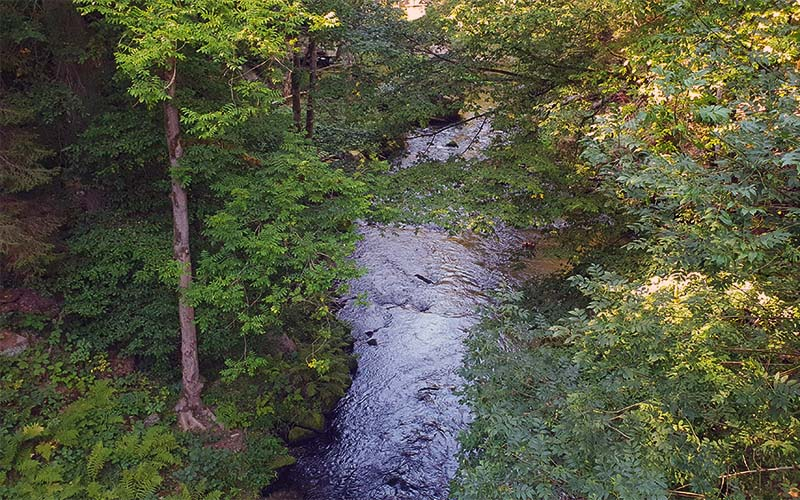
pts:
[394, 435]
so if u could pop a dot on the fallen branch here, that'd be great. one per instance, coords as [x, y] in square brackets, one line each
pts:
[759, 471]
[687, 494]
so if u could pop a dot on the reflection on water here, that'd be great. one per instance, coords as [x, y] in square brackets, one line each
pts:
[466, 140]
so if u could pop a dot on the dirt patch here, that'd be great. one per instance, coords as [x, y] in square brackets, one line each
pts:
[232, 441]
[121, 366]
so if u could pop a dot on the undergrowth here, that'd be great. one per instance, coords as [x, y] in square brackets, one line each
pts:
[78, 426]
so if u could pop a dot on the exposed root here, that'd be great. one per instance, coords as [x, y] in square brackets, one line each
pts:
[197, 418]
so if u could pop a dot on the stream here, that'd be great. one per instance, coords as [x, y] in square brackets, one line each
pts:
[395, 434]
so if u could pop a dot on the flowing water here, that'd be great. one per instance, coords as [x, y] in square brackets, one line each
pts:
[394, 435]
[467, 140]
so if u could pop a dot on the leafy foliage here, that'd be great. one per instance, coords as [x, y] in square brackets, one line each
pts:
[669, 126]
[36, 105]
[273, 226]
[464, 194]
[278, 230]
[65, 434]
[114, 288]
[679, 377]
[73, 430]
[383, 81]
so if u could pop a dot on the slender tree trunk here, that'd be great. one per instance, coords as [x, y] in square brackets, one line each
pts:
[288, 65]
[190, 407]
[286, 85]
[312, 86]
[297, 109]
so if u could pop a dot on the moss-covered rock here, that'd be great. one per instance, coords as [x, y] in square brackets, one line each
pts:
[282, 461]
[314, 421]
[299, 434]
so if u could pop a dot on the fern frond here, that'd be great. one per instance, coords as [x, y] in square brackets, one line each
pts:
[140, 482]
[96, 460]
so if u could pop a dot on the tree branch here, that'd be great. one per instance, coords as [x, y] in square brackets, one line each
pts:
[759, 471]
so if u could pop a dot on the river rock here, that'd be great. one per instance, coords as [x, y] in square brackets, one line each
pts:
[355, 156]
[329, 397]
[26, 301]
[151, 420]
[352, 365]
[285, 345]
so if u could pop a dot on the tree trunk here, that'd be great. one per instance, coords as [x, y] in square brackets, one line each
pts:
[297, 110]
[192, 415]
[312, 86]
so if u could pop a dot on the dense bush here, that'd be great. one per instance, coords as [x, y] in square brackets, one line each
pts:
[115, 298]
[654, 386]
[679, 378]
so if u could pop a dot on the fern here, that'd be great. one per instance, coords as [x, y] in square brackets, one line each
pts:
[140, 482]
[198, 492]
[97, 460]
[8, 451]
[93, 413]
[30, 431]
[156, 446]
[96, 491]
